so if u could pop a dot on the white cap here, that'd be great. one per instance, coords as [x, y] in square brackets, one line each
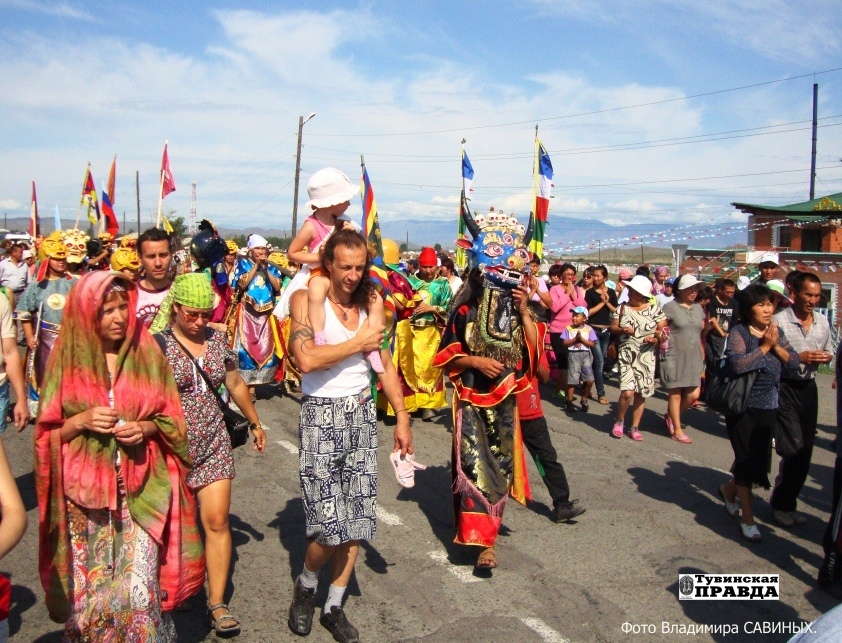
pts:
[683, 282]
[256, 241]
[329, 187]
[743, 282]
[27, 254]
[641, 285]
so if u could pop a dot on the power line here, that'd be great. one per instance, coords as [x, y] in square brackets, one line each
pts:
[590, 113]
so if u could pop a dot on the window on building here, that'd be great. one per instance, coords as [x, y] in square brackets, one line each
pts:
[811, 240]
[784, 236]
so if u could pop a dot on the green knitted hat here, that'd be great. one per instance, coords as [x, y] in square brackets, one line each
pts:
[194, 290]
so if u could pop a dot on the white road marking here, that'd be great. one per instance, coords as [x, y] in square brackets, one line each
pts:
[464, 574]
[289, 446]
[696, 462]
[543, 630]
[388, 518]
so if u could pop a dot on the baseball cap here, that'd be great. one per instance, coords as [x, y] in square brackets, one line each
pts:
[581, 310]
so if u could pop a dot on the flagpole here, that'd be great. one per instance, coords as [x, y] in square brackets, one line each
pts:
[84, 185]
[102, 214]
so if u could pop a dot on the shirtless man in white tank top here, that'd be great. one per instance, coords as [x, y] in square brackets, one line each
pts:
[338, 430]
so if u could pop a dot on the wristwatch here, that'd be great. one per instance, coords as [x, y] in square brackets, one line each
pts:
[253, 426]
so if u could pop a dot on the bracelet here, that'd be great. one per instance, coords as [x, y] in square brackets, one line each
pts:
[255, 425]
[399, 410]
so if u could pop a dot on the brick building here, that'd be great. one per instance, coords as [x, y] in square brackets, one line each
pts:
[804, 236]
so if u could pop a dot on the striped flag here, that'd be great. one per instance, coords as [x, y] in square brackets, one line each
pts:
[371, 224]
[34, 221]
[89, 199]
[467, 182]
[542, 191]
[111, 225]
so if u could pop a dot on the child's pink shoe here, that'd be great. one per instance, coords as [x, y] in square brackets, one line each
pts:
[405, 468]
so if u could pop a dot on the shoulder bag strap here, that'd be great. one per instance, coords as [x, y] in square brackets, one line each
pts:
[199, 368]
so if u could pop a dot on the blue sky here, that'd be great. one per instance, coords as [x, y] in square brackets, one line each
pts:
[225, 83]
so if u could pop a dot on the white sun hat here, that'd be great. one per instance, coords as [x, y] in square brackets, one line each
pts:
[329, 187]
[640, 284]
[683, 282]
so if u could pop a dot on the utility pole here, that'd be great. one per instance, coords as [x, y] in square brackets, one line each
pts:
[642, 258]
[137, 189]
[815, 127]
[407, 239]
[301, 121]
[193, 208]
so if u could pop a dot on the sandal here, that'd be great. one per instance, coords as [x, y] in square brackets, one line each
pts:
[733, 508]
[405, 468]
[750, 532]
[683, 438]
[617, 431]
[670, 426]
[635, 434]
[487, 559]
[603, 400]
[216, 623]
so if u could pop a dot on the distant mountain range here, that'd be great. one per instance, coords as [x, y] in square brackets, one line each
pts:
[565, 235]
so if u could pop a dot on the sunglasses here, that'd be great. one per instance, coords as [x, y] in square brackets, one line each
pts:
[193, 315]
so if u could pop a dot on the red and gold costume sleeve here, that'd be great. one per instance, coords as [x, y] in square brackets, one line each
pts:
[471, 384]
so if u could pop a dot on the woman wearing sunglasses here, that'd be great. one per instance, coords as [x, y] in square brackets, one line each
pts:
[189, 345]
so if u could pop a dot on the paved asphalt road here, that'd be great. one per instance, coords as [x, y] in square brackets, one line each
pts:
[652, 513]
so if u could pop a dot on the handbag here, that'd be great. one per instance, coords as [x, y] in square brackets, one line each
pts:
[236, 425]
[725, 391]
[614, 347]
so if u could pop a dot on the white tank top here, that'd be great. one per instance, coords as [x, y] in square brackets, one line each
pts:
[351, 376]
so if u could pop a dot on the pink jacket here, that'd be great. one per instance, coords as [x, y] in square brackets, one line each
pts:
[562, 308]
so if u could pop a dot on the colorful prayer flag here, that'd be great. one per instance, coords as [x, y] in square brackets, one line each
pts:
[112, 178]
[167, 179]
[34, 222]
[167, 225]
[542, 192]
[111, 225]
[371, 223]
[89, 199]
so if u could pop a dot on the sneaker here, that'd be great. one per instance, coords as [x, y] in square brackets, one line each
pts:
[337, 624]
[617, 431]
[585, 406]
[569, 407]
[302, 609]
[565, 511]
[428, 415]
[788, 518]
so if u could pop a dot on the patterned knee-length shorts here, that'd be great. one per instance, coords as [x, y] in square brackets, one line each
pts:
[338, 467]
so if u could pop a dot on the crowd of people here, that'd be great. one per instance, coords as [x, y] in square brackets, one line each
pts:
[137, 349]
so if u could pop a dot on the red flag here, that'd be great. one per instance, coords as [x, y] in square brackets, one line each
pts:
[34, 222]
[112, 179]
[167, 180]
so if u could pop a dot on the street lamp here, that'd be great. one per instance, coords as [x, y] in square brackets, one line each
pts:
[301, 121]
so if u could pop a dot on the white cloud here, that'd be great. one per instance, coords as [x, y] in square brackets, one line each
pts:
[10, 204]
[778, 29]
[58, 9]
[231, 112]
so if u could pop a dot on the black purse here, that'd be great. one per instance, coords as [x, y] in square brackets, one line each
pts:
[236, 425]
[727, 392]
